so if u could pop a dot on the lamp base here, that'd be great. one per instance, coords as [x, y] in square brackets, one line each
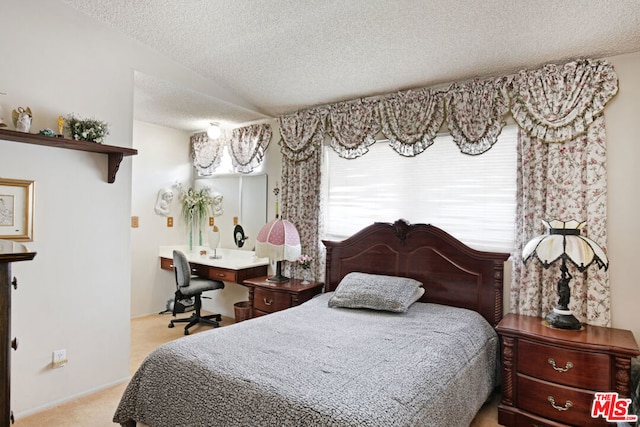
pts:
[563, 319]
[278, 277]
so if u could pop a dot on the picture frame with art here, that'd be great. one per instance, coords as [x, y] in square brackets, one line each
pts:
[16, 209]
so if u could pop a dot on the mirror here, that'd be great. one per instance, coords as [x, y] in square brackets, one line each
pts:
[243, 197]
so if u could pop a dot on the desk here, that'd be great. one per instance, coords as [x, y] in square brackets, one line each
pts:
[233, 265]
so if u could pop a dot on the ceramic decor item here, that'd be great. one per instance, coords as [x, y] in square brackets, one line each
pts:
[22, 119]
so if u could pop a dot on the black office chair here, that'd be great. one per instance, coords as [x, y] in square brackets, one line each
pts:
[191, 286]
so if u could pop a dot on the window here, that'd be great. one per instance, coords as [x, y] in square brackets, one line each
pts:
[472, 198]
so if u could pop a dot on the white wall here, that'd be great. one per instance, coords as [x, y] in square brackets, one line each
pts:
[163, 159]
[75, 294]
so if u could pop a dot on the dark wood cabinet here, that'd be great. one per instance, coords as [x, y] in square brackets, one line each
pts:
[550, 376]
[267, 297]
[9, 252]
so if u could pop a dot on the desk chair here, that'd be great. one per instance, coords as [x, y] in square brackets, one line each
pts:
[191, 286]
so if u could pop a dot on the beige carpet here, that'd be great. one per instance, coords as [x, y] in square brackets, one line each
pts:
[147, 333]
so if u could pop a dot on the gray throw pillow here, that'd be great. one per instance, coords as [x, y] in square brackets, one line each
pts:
[376, 292]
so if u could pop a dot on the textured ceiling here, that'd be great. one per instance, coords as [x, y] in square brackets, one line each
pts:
[283, 55]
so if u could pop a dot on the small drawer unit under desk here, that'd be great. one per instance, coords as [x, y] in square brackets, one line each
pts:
[267, 297]
[550, 376]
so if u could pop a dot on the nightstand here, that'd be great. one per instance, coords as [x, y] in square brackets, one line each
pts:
[549, 376]
[268, 297]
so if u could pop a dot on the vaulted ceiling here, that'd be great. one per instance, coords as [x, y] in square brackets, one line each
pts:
[278, 56]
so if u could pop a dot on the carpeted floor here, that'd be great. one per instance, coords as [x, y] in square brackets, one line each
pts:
[147, 333]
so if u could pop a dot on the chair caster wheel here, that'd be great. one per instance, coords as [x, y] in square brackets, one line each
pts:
[171, 324]
[186, 332]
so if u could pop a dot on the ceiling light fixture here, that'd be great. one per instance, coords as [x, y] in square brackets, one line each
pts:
[214, 131]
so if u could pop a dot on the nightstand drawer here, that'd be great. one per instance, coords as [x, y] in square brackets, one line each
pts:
[270, 301]
[564, 404]
[563, 366]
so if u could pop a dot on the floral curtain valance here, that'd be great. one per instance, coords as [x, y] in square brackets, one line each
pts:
[353, 127]
[558, 103]
[410, 120]
[554, 103]
[475, 113]
[246, 145]
[207, 153]
[302, 133]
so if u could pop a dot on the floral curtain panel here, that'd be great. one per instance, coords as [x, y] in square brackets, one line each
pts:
[207, 153]
[301, 147]
[248, 145]
[562, 181]
[562, 165]
[475, 113]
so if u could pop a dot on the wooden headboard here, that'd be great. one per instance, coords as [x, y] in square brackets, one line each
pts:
[451, 272]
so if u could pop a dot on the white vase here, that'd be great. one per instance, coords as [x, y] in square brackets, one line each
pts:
[214, 240]
[306, 275]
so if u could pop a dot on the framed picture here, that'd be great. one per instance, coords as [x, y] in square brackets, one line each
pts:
[16, 209]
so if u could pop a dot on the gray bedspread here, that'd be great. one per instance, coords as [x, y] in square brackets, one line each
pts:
[318, 366]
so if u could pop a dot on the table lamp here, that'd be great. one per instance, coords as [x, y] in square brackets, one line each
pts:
[564, 242]
[278, 240]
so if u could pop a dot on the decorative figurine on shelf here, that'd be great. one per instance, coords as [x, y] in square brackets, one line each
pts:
[46, 132]
[22, 119]
[60, 126]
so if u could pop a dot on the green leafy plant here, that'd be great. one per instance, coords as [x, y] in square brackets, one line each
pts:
[198, 204]
[86, 129]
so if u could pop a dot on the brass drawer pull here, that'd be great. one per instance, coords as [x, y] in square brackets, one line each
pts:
[270, 302]
[558, 407]
[220, 274]
[568, 366]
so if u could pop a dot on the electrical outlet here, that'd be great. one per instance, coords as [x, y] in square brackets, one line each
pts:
[134, 222]
[59, 358]
[169, 221]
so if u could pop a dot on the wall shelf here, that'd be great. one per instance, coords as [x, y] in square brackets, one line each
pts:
[115, 154]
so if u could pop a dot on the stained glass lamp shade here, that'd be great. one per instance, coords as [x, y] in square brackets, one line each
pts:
[565, 243]
[279, 241]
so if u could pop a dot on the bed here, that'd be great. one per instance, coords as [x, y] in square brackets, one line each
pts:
[333, 362]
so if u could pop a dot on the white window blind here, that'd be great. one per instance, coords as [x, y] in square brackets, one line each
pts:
[472, 198]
